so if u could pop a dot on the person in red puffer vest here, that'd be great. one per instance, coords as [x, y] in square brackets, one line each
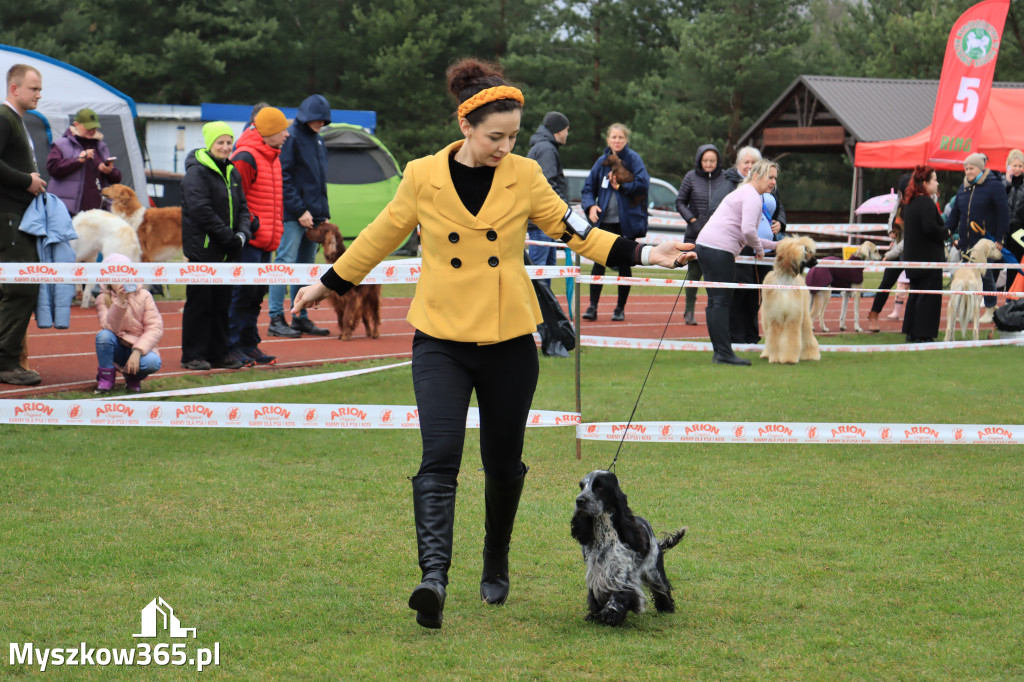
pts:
[256, 160]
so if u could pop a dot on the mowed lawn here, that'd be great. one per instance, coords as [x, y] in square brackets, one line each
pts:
[295, 552]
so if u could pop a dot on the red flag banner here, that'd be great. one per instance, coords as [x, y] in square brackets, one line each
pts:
[966, 81]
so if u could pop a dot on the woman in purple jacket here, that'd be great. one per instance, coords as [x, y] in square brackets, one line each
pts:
[732, 226]
[80, 164]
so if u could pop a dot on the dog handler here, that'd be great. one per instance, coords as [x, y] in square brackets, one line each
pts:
[732, 226]
[475, 312]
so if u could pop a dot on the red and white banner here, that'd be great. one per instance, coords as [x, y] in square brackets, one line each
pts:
[705, 346]
[799, 433]
[404, 272]
[966, 82]
[238, 415]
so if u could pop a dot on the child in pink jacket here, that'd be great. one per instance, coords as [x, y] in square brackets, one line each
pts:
[131, 327]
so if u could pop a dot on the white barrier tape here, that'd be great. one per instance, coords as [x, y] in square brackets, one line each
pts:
[841, 228]
[256, 385]
[882, 264]
[805, 433]
[402, 272]
[705, 346]
[238, 415]
[679, 283]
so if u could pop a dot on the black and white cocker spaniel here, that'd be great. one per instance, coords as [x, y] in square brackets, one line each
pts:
[621, 552]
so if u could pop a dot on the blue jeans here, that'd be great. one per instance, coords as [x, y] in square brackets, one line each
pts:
[110, 352]
[541, 255]
[294, 248]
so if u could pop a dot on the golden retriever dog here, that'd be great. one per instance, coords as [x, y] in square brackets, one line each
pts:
[786, 313]
[360, 303]
[844, 278]
[159, 229]
[965, 309]
[102, 232]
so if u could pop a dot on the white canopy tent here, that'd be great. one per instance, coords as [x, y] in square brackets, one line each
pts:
[66, 90]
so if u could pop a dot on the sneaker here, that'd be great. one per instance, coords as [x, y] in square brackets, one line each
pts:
[227, 362]
[591, 313]
[20, 376]
[618, 315]
[198, 364]
[688, 318]
[240, 357]
[986, 318]
[260, 357]
[278, 327]
[105, 377]
[306, 326]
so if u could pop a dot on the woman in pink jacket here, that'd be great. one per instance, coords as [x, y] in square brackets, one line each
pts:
[131, 327]
[732, 226]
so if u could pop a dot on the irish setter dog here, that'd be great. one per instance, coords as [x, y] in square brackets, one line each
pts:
[362, 302]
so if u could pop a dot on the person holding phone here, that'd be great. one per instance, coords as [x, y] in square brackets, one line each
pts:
[81, 165]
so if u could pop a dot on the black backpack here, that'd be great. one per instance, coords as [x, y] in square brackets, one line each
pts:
[1010, 317]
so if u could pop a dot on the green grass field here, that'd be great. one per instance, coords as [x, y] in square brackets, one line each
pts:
[294, 550]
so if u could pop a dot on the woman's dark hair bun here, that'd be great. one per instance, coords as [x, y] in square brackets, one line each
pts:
[469, 76]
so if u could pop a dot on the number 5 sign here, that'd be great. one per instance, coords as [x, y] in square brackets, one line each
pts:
[966, 81]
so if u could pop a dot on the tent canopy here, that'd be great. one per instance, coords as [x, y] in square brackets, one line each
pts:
[66, 90]
[1000, 132]
[362, 176]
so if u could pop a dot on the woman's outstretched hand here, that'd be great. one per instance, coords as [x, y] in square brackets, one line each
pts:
[672, 254]
[309, 296]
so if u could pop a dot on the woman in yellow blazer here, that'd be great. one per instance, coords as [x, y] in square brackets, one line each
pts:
[475, 312]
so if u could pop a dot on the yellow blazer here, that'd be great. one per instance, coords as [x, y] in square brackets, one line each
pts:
[473, 285]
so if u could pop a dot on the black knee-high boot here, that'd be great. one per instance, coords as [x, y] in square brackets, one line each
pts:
[501, 499]
[433, 502]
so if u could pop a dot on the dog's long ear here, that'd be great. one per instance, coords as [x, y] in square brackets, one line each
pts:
[630, 532]
[582, 529]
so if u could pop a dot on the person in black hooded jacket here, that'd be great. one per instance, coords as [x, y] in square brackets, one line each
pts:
[214, 227]
[692, 202]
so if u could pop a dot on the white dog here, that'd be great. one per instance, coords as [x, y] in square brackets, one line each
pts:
[102, 232]
[786, 313]
[965, 309]
[845, 278]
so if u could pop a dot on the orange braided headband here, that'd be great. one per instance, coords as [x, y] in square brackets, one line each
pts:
[490, 95]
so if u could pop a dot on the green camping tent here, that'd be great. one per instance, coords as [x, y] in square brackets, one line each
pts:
[362, 176]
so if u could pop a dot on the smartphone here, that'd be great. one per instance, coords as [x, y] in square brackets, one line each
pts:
[111, 158]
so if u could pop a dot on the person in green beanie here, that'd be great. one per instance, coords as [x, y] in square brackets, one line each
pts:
[214, 227]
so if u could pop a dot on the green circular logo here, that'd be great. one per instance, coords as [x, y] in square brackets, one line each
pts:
[977, 43]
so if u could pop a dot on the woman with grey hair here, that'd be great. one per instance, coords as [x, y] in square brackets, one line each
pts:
[732, 226]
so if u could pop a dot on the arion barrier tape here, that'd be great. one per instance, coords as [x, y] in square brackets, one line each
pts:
[403, 272]
[328, 416]
[804, 433]
[256, 385]
[670, 344]
[237, 415]
[680, 283]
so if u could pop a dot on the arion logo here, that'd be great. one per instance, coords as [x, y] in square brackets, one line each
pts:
[159, 613]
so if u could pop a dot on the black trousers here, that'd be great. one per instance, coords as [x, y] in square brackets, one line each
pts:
[445, 374]
[889, 277]
[17, 301]
[921, 316]
[204, 322]
[599, 270]
[746, 302]
[246, 301]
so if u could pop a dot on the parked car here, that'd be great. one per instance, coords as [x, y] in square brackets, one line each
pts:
[662, 195]
[661, 201]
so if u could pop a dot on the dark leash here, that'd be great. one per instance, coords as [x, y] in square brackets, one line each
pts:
[640, 394]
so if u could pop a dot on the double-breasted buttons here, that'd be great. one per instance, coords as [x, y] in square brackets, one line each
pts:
[456, 263]
[453, 237]
[491, 235]
[493, 261]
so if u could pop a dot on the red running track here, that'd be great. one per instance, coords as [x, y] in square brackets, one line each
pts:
[66, 358]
